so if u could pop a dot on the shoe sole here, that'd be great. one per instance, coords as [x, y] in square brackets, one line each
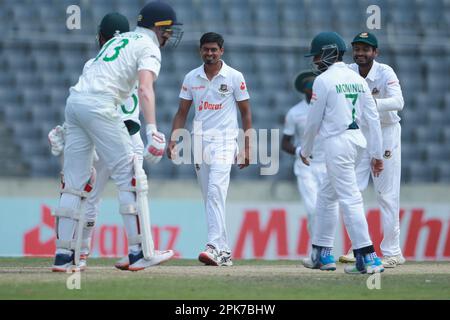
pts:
[123, 267]
[204, 258]
[389, 265]
[131, 268]
[346, 260]
[328, 268]
[66, 270]
[376, 270]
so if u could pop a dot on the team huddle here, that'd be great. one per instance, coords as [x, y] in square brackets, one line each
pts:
[345, 131]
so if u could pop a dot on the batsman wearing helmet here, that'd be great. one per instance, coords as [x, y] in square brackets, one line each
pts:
[385, 88]
[341, 101]
[92, 120]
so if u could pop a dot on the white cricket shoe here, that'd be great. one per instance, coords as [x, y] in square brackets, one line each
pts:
[138, 262]
[210, 256]
[83, 261]
[225, 259]
[323, 262]
[65, 263]
[366, 264]
[393, 261]
[348, 258]
[123, 263]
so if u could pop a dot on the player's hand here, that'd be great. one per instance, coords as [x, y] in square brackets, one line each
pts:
[244, 158]
[377, 166]
[56, 138]
[304, 159]
[171, 150]
[156, 144]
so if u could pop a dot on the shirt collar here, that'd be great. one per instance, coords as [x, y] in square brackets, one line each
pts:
[338, 64]
[373, 71]
[224, 71]
[150, 33]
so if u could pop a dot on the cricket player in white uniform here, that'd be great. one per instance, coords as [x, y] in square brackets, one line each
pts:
[385, 88]
[341, 101]
[217, 92]
[129, 111]
[92, 120]
[310, 177]
[111, 25]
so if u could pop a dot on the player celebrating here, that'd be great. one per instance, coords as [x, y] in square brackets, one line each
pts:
[217, 91]
[92, 120]
[308, 178]
[385, 88]
[341, 100]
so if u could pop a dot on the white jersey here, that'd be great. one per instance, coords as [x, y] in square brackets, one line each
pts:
[215, 101]
[129, 108]
[340, 98]
[385, 88]
[114, 72]
[294, 125]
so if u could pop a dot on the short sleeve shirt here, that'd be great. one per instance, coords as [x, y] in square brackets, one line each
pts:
[215, 101]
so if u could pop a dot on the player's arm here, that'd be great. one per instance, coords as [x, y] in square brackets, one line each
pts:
[156, 142]
[372, 119]
[246, 116]
[178, 122]
[286, 144]
[314, 119]
[288, 133]
[146, 94]
[394, 98]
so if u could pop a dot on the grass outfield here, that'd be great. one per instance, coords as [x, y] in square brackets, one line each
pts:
[30, 278]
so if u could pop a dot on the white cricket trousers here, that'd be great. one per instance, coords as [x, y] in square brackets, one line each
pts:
[213, 175]
[91, 121]
[387, 187]
[92, 207]
[103, 174]
[340, 190]
[309, 179]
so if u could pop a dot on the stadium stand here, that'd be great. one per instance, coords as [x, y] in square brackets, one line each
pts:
[265, 39]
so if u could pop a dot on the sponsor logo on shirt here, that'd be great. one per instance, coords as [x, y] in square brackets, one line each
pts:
[209, 106]
[184, 88]
[243, 86]
[198, 88]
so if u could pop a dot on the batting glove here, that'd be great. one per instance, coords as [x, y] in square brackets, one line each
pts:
[156, 145]
[56, 138]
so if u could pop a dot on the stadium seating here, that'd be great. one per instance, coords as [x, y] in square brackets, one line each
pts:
[265, 39]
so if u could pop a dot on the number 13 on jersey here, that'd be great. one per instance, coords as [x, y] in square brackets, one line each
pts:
[121, 43]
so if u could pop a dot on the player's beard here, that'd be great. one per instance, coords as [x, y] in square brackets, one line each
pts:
[210, 61]
[363, 61]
